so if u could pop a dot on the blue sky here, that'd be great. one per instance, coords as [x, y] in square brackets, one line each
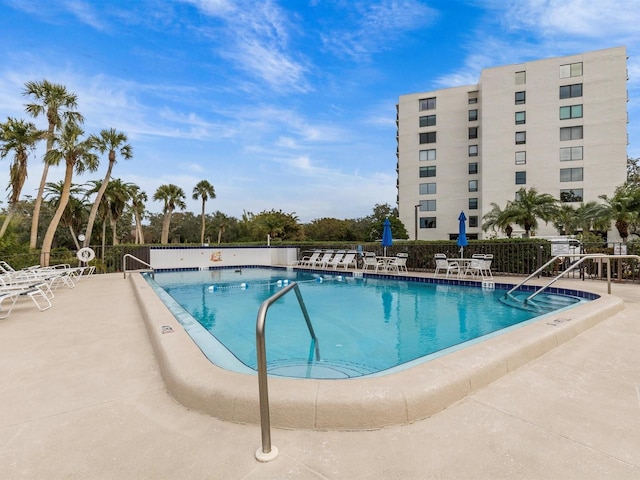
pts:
[285, 104]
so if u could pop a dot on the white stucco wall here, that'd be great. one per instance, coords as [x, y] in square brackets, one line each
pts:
[205, 257]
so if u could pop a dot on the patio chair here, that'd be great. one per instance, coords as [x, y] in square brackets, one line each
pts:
[444, 265]
[486, 268]
[475, 267]
[399, 263]
[370, 260]
[348, 259]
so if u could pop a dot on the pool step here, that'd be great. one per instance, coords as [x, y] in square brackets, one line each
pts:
[303, 368]
[542, 303]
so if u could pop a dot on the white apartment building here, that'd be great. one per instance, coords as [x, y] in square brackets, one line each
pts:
[559, 125]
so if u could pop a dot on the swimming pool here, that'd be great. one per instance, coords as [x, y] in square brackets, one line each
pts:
[365, 325]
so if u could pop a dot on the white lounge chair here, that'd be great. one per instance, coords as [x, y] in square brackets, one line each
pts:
[442, 264]
[324, 259]
[40, 294]
[348, 259]
[310, 261]
[336, 259]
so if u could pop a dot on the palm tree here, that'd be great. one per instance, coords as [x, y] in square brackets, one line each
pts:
[621, 209]
[72, 217]
[496, 219]
[173, 197]
[566, 219]
[21, 137]
[203, 190]
[78, 156]
[117, 195]
[137, 198]
[528, 208]
[54, 101]
[114, 143]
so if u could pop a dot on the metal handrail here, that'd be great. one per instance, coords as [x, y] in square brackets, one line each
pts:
[583, 257]
[124, 265]
[269, 452]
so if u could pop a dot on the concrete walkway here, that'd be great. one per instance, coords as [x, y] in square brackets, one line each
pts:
[82, 397]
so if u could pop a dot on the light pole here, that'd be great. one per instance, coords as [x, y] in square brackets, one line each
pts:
[417, 207]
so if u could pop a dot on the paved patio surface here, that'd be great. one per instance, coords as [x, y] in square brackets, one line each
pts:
[82, 398]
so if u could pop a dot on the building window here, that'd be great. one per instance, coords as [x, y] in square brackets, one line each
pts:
[521, 178]
[571, 70]
[427, 222]
[473, 221]
[521, 78]
[473, 168]
[473, 150]
[428, 121]
[427, 172]
[473, 132]
[521, 137]
[427, 103]
[428, 137]
[571, 91]
[427, 155]
[571, 195]
[570, 133]
[427, 205]
[521, 158]
[473, 185]
[521, 118]
[571, 153]
[427, 188]
[473, 100]
[473, 115]
[570, 111]
[473, 204]
[521, 98]
[571, 174]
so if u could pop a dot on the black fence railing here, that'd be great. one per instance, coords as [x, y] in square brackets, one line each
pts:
[510, 257]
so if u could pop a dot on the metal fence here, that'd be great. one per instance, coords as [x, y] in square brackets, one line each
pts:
[510, 257]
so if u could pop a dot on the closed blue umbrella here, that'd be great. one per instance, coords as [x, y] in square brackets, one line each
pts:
[462, 233]
[387, 239]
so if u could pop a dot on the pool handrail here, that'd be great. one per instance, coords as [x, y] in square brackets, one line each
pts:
[268, 452]
[124, 265]
[582, 257]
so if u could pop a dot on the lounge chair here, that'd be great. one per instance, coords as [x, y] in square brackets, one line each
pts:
[322, 261]
[442, 264]
[348, 259]
[309, 261]
[40, 294]
[336, 259]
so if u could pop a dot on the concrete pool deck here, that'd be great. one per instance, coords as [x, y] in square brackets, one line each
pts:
[83, 397]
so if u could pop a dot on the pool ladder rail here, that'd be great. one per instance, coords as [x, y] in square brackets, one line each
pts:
[268, 452]
[581, 258]
[148, 269]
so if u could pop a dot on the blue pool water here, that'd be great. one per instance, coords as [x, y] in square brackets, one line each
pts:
[364, 326]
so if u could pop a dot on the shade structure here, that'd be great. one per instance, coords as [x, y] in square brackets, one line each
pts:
[387, 239]
[462, 233]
